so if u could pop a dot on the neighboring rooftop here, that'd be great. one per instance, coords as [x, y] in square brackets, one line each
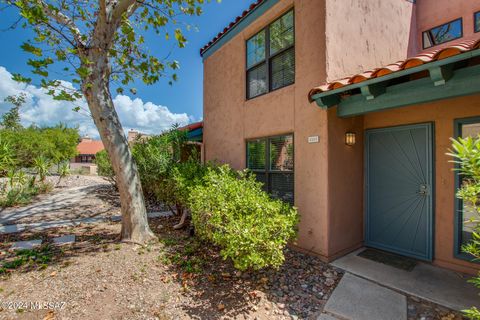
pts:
[192, 126]
[89, 146]
[421, 59]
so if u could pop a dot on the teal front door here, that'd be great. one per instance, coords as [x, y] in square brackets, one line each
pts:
[399, 190]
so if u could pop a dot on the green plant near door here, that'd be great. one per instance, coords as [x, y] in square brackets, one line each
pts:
[466, 152]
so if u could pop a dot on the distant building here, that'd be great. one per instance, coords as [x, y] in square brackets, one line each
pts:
[85, 160]
[135, 135]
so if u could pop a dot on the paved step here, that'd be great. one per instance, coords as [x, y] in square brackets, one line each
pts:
[425, 281]
[26, 245]
[359, 299]
[64, 240]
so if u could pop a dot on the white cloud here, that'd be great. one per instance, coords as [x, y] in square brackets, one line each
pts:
[41, 109]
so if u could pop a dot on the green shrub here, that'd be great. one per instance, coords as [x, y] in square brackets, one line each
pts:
[104, 167]
[22, 194]
[19, 188]
[42, 166]
[466, 152]
[57, 144]
[156, 158]
[230, 210]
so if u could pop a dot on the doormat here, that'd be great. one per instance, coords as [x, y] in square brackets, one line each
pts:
[390, 259]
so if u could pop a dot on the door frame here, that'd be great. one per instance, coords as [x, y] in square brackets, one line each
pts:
[430, 138]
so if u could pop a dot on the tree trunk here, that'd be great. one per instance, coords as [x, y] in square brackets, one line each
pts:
[96, 89]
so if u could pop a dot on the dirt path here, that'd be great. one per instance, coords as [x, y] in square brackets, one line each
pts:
[77, 198]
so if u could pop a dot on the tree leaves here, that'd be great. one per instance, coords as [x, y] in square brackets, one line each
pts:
[65, 33]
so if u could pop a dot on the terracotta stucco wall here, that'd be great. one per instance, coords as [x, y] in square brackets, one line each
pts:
[432, 13]
[345, 182]
[365, 34]
[230, 119]
[442, 113]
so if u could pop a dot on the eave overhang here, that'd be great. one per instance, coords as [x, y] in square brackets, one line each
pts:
[453, 76]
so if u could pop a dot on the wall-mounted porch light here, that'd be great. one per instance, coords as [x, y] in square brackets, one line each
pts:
[350, 138]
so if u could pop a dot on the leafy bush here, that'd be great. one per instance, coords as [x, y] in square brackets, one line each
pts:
[56, 144]
[156, 159]
[20, 191]
[42, 165]
[466, 152]
[104, 167]
[230, 210]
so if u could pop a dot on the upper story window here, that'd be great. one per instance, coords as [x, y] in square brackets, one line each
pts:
[271, 57]
[444, 33]
[476, 21]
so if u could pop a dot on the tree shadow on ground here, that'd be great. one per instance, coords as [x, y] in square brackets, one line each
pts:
[210, 288]
[89, 240]
[97, 200]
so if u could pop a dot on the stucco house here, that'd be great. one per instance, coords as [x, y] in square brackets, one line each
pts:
[87, 148]
[363, 157]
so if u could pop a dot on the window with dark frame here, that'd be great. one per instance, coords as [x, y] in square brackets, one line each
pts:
[271, 57]
[476, 21]
[444, 33]
[464, 212]
[271, 159]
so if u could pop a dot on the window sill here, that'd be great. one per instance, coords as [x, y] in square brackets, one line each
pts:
[271, 91]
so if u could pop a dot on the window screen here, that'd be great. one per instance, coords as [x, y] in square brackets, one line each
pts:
[281, 33]
[444, 33]
[271, 57]
[257, 81]
[272, 161]
[256, 154]
[283, 69]
[281, 153]
[256, 49]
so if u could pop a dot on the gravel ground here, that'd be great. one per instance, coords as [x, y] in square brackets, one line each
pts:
[177, 278]
[73, 180]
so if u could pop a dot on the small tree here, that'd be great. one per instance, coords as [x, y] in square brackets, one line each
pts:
[97, 43]
[466, 152]
[11, 119]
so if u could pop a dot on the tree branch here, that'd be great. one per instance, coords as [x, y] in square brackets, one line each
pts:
[121, 7]
[63, 20]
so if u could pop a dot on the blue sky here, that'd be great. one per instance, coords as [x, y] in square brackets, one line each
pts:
[178, 102]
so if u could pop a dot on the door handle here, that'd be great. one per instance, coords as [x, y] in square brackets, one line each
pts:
[423, 191]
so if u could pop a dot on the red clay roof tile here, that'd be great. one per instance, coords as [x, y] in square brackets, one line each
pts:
[88, 146]
[422, 58]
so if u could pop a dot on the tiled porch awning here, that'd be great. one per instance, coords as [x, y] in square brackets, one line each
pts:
[439, 74]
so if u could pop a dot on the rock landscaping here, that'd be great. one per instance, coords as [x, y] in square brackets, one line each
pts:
[176, 278]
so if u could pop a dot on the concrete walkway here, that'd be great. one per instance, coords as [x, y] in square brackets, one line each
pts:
[359, 299]
[425, 281]
[39, 226]
[66, 208]
[65, 199]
